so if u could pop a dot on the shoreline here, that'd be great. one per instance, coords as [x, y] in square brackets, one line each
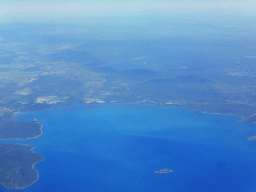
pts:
[111, 104]
[147, 102]
[31, 148]
[168, 106]
[32, 167]
[17, 138]
[239, 118]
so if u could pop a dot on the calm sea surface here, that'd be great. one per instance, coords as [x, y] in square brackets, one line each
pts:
[114, 148]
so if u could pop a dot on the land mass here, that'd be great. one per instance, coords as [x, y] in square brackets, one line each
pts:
[252, 138]
[20, 129]
[163, 171]
[40, 77]
[251, 119]
[17, 166]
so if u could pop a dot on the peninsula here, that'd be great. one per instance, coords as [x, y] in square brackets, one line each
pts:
[17, 166]
[10, 129]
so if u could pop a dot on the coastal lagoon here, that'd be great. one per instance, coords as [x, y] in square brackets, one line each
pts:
[115, 148]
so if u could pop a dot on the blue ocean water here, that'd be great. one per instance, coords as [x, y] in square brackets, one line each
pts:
[115, 148]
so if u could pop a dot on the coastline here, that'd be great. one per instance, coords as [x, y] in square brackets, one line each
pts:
[32, 167]
[17, 138]
[177, 104]
[97, 105]
[31, 148]
[239, 118]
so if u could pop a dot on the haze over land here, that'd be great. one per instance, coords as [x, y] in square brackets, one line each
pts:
[189, 54]
[186, 63]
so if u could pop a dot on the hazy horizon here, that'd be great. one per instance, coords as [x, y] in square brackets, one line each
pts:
[76, 11]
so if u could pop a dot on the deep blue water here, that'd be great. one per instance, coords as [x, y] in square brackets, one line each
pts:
[118, 147]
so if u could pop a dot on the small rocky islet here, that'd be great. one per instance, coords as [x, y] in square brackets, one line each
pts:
[163, 171]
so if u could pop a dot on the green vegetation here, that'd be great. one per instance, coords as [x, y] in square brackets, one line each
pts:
[17, 166]
[20, 129]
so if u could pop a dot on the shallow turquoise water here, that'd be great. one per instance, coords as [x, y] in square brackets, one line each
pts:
[118, 148]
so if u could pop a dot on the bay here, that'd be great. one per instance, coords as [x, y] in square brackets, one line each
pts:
[118, 148]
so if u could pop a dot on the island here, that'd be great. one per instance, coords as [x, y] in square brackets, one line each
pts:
[163, 171]
[17, 166]
[252, 138]
[10, 129]
[251, 119]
